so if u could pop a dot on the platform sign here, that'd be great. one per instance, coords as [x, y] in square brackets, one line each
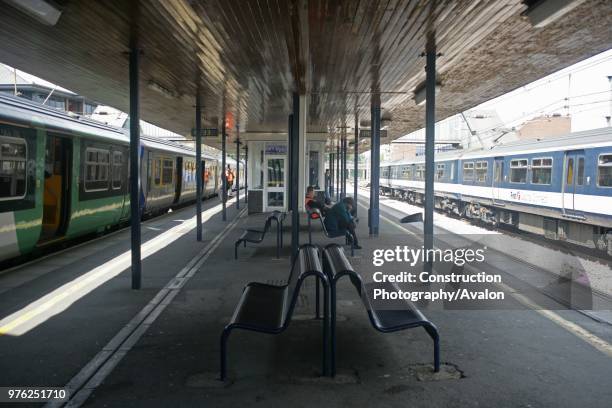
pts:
[276, 148]
[365, 133]
[206, 132]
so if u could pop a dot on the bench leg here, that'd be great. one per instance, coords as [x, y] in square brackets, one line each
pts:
[332, 326]
[317, 300]
[224, 338]
[433, 333]
[236, 245]
[281, 234]
[325, 329]
[309, 230]
[277, 241]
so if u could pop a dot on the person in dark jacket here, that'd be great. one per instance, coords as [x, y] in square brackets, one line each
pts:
[339, 219]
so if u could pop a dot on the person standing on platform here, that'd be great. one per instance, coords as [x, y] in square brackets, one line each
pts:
[229, 176]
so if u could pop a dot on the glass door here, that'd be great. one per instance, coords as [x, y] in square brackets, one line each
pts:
[274, 183]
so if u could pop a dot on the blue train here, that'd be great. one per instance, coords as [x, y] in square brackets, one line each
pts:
[559, 188]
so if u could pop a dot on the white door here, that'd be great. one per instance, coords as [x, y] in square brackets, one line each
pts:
[573, 179]
[275, 183]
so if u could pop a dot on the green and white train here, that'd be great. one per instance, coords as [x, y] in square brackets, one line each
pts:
[62, 176]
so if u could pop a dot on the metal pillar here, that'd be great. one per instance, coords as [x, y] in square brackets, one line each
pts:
[331, 175]
[238, 167]
[356, 162]
[199, 172]
[246, 173]
[289, 156]
[337, 169]
[135, 166]
[223, 178]
[344, 169]
[294, 164]
[374, 212]
[430, 121]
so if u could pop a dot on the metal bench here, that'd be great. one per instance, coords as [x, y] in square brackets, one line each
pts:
[257, 236]
[268, 308]
[347, 236]
[279, 217]
[405, 316]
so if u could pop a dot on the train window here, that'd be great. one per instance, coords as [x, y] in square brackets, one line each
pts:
[481, 171]
[541, 170]
[97, 162]
[117, 167]
[394, 172]
[580, 175]
[604, 170]
[13, 156]
[406, 172]
[420, 172]
[440, 171]
[167, 171]
[385, 172]
[157, 172]
[468, 171]
[518, 171]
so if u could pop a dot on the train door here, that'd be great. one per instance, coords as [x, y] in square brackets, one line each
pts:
[179, 179]
[57, 183]
[573, 180]
[274, 183]
[498, 177]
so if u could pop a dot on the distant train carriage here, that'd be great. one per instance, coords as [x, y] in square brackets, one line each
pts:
[559, 188]
[62, 176]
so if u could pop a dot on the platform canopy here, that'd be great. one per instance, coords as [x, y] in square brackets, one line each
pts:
[249, 56]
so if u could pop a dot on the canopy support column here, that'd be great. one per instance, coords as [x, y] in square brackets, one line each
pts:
[238, 167]
[199, 170]
[344, 169]
[246, 173]
[223, 176]
[338, 187]
[331, 174]
[374, 212]
[356, 161]
[430, 121]
[135, 165]
[294, 164]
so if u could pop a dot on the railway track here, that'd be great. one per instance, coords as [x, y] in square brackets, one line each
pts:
[602, 302]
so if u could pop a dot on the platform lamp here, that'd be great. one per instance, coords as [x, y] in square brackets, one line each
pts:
[43, 11]
[541, 13]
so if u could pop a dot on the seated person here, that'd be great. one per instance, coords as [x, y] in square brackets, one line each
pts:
[339, 220]
[312, 202]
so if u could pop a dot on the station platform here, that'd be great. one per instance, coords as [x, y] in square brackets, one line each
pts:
[159, 346]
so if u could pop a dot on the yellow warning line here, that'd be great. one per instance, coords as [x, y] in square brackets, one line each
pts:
[572, 327]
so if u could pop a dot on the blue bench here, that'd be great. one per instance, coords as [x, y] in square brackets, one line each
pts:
[405, 316]
[268, 308]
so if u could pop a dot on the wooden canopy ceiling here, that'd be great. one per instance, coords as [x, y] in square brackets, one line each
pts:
[248, 56]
